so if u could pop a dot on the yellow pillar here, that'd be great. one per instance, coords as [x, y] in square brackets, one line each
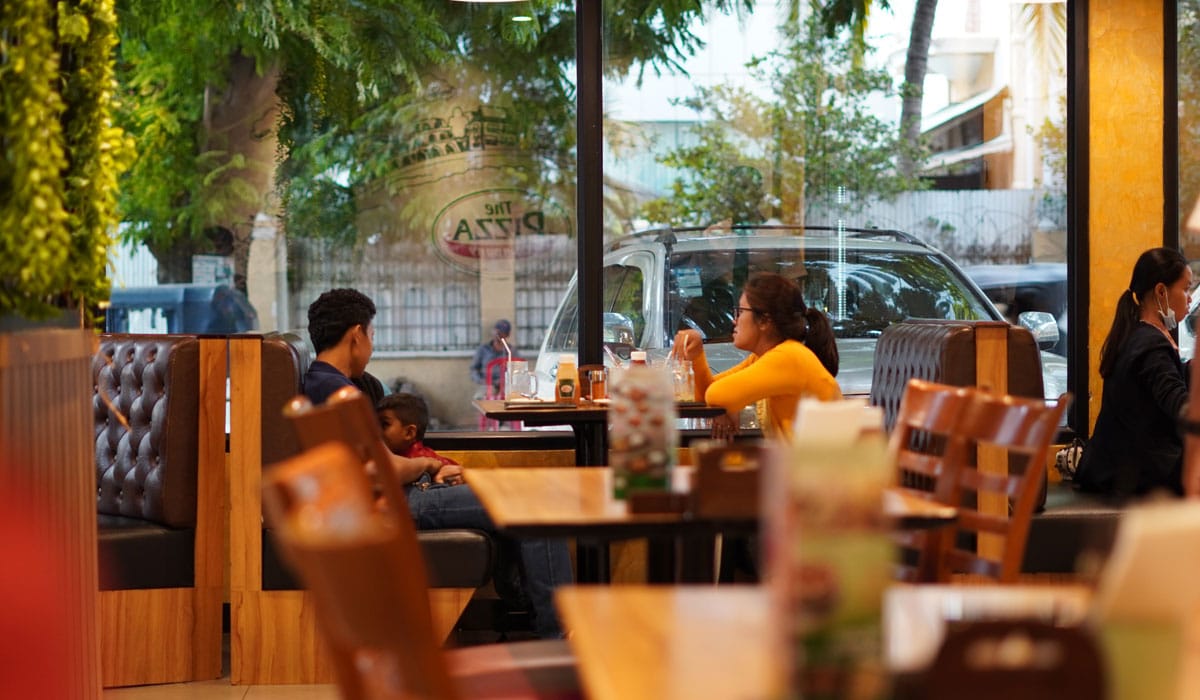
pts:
[1125, 183]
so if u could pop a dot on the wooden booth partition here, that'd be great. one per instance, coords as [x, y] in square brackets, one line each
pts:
[274, 636]
[167, 633]
[50, 495]
[991, 375]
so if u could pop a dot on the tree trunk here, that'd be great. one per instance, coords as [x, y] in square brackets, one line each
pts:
[243, 121]
[915, 65]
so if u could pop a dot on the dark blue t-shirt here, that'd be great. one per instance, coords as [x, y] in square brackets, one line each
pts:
[322, 379]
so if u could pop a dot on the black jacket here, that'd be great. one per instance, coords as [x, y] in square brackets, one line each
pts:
[1136, 446]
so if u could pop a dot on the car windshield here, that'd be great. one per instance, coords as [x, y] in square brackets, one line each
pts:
[863, 292]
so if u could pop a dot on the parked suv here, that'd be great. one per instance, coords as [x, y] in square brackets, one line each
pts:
[1017, 290]
[659, 281]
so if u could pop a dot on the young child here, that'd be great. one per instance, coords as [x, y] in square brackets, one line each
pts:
[404, 418]
[528, 569]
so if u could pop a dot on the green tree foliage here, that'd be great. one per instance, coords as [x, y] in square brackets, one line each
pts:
[813, 135]
[61, 154]
[350, 78]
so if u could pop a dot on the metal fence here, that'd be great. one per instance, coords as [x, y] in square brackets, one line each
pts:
[422, 302]
[975, 227]
[427, 305]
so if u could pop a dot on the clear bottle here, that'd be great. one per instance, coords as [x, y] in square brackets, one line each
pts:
[566, 382]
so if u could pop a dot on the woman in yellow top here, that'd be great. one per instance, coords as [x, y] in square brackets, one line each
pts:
[792, 356]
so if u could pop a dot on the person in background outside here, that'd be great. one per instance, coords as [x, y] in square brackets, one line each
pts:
[1136, 446]
[488, 351]
[792, 355]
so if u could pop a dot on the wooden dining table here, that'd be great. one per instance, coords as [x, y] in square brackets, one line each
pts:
[634, 642]
[671, 642]
[588, 421]
[558, 502]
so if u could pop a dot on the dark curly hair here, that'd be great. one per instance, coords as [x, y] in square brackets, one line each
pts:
[410, 409]
[779, 299]
[334, 313]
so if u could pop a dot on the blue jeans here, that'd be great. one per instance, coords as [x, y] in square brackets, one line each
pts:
[544, 565]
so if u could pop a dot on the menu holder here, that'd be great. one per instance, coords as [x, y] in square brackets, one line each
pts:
[726, 484]
[645, 502]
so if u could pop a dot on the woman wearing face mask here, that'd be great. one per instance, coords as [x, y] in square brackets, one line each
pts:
[792, 355]
[1136, 447]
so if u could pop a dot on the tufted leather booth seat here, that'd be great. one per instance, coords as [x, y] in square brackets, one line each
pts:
[1073, 528]
[146, 471]
[158, 415]
[454, 558]
[944, 351]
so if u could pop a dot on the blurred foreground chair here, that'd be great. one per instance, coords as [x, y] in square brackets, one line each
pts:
[367, 575]
[927, 453]
[997, 427]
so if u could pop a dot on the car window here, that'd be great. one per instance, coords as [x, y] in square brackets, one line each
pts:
[624, 296]
[862, 291]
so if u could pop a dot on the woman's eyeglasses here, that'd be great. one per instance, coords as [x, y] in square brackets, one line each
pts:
[737, 311]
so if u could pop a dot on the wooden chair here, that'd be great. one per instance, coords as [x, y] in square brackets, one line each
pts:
[365, 571]
[927, 452]
[494, 376]
[999, 426]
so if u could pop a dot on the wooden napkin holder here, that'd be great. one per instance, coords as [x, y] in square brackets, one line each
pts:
[657, 502]
[726, 483]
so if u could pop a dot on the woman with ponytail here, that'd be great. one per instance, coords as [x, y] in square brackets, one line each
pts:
[792, 356]
[1136, 446]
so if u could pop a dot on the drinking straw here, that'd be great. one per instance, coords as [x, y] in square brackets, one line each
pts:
[612, 356]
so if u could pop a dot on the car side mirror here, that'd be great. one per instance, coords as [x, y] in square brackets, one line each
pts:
[1042, 325]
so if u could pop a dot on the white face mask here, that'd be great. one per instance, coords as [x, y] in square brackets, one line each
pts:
[1168, 316]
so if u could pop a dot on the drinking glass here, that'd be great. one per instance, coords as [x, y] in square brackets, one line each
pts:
[683, 379]
[522, 383]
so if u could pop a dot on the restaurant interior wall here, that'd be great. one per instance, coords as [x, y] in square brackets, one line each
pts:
[1125, 187]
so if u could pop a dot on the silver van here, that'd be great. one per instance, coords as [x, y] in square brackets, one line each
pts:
[663, 280]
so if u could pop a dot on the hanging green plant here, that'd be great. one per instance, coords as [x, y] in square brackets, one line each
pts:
[61, 155]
